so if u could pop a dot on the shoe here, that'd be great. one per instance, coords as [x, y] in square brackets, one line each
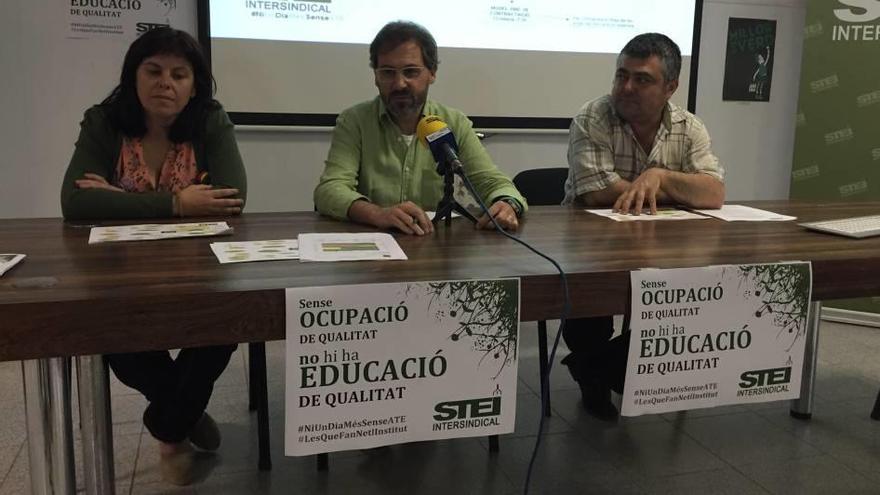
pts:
[178, 468]
[205, 434]
[595, 393]
[596, 397]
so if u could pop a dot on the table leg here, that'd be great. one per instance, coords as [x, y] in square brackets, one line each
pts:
[96, 425]
[49, 425]
[802, 408]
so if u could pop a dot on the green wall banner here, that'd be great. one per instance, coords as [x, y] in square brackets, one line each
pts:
[837, 140]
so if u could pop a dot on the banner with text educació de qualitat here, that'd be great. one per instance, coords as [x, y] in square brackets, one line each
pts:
[125, 19]
[380, 364]
[837, 141]
[710, 336]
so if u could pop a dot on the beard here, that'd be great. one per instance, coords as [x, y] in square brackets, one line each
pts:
[404, 103]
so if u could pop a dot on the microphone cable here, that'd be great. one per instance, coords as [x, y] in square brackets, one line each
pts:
[566, 310]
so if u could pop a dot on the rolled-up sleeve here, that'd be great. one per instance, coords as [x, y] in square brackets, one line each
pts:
[337, 188]
[699, 157]
[488, 180]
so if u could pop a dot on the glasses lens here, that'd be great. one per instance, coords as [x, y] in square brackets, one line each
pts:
[411, 72]
[387, 74]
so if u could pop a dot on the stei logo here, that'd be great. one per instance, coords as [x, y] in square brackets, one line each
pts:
[839, 136]
[469, 408]
[825, 83]
[805, 173]
[467, 414]
[858, 10]
[853, 189]
[763, 378]
[868, 99]
[143, 27]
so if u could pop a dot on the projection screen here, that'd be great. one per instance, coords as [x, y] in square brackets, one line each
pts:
[505, 63]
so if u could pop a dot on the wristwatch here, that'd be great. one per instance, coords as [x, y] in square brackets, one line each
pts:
[517, 208]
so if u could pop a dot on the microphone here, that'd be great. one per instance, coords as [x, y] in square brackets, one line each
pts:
[438, 137]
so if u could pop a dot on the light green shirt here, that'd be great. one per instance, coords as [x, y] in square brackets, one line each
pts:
[370, 159]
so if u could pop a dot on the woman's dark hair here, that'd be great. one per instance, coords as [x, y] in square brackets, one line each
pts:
[125, 109]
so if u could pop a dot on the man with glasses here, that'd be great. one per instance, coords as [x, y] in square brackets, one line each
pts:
[632, 150]
[377, 174]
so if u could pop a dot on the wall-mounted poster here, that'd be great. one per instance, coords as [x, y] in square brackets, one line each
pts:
[748, 69]
[125, 19]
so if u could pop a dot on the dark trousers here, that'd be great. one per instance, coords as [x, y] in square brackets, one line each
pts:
[593, 356]
[178, 389]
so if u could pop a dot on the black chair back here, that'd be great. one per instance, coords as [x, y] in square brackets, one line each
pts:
[542, 186]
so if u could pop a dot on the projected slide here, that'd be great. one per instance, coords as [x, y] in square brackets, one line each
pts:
[584, 26]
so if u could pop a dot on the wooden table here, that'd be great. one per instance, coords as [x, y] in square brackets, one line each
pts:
[71, 299]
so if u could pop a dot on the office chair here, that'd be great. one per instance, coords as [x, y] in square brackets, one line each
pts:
[542, 187]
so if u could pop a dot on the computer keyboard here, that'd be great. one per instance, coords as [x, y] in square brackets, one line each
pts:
[857, 227]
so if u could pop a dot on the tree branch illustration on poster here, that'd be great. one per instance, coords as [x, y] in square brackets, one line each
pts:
[486, 314]
[784, 291]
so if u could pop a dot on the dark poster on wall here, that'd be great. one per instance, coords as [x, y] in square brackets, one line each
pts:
[748, 70]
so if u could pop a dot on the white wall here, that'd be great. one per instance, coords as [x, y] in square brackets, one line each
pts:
[49, 81]
[754, 141]
[53, 79]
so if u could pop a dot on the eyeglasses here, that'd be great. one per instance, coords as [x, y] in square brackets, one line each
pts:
[389, 74]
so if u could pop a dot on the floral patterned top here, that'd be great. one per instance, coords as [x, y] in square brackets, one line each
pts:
[178, 171]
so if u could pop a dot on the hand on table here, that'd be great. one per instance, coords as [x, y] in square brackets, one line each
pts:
[642, 192]
[503, 214]
[201, 200]
[406, 217]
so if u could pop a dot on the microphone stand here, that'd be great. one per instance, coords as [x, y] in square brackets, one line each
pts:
[448, 204]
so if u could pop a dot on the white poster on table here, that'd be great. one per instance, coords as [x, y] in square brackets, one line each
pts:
[710, 336]
[125, 19]
[380, 364]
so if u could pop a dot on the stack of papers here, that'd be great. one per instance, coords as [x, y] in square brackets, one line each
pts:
[241, 252]
[728, 213]
[349, 247]
[156, 231]
[7, 261]
[662, 214]
[733, 213]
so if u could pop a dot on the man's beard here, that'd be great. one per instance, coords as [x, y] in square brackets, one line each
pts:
[405, 107]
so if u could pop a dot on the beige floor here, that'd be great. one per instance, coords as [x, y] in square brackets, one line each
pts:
[730, 450]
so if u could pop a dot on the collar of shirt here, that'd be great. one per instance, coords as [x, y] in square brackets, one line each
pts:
[672, 114]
